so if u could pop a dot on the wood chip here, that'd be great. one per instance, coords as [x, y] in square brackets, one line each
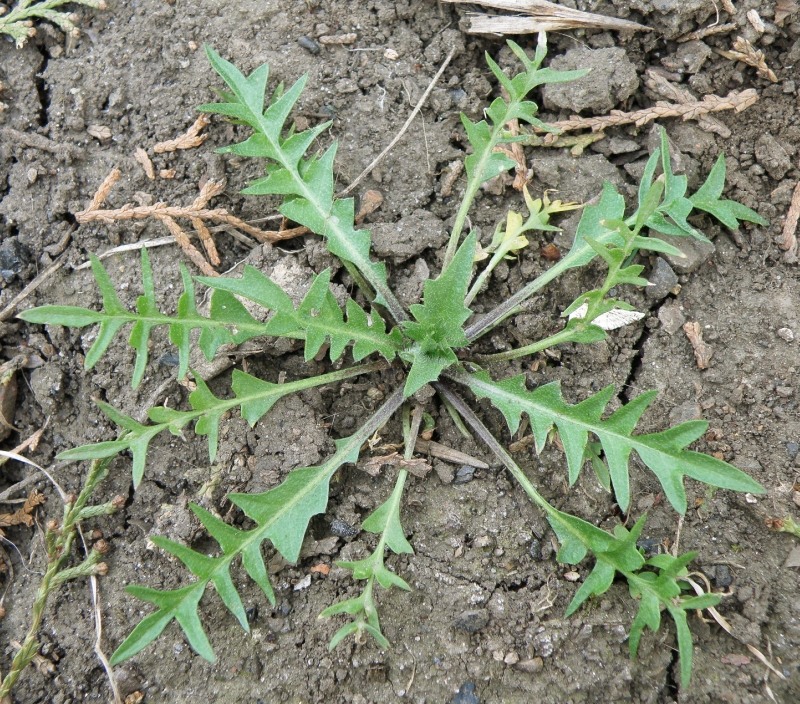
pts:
[100, 132]
[702, 352]
[755, 20]
[788, 241]
[416, 466]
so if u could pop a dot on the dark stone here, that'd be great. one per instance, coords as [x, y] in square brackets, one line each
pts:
[342, 529]
[472, 620]
[14, 257]
[464, 475]
[722, 577]
[792, 448]
[466, 695]
[662, 280]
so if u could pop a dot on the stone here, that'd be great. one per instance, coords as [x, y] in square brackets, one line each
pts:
[671, 317]
[472, 620]
[773, 156]
[612, 79]
[662, 280]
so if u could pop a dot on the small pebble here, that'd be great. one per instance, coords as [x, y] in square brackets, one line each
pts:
[464, 474]
[786, 334]
[309, 45]
[722, 576]
[792, 448]
[391, 55]
[472, 620]
[466, 695]
[342, 529]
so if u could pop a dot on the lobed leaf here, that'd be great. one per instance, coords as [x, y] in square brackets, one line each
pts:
[664, 453]
[307, 183]
[281, 516]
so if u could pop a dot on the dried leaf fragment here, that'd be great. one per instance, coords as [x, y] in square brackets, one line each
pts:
[745, 52]
[784, 8]
[22, 516]
[702, 352]
[189, 140]
[141, 156]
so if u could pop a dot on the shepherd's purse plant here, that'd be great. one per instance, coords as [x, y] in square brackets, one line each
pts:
[432, 345]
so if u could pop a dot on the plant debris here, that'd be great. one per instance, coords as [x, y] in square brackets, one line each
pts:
[197, 213]
[543, 17]
[745, 52]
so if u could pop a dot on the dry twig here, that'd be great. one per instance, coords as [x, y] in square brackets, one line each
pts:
[789, 236]
[744, 51]
[403, 129]
[735, 100]
[197, 213]
[189, 140]
[543, 17]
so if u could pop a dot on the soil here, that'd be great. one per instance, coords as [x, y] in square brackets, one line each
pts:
[484, 622]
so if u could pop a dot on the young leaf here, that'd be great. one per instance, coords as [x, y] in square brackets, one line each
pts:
[437, 327]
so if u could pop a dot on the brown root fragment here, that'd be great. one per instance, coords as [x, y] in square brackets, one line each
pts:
[198, 214]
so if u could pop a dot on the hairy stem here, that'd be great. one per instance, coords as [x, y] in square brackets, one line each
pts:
[59, 543]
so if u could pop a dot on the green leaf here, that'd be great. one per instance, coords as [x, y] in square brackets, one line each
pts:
[437, 327]
[728, 212]
[306, 183]
[318, 319]
[664, 453]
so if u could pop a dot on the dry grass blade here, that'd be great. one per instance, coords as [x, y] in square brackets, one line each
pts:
[544, 17]
[745, 52]
[735, 100]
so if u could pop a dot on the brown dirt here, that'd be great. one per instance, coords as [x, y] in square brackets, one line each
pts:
[480, 546]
